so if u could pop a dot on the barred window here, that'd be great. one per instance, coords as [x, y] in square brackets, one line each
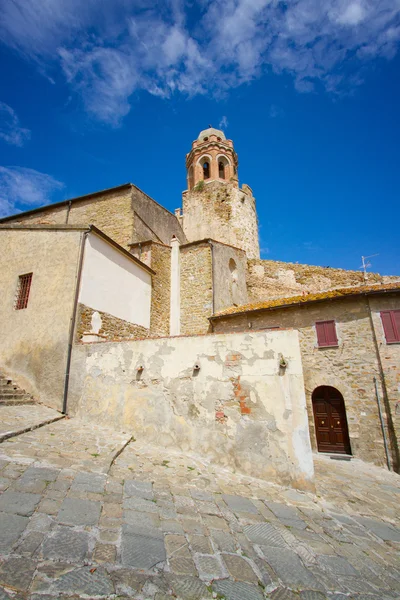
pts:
[24, 286]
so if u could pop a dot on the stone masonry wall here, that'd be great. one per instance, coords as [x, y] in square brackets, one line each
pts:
[196, 288]
[350, 368]
[267, 279]
[111, 212]
[390, 357]
[224, 213]
[112, 328]
[161, 290]
[237, 409]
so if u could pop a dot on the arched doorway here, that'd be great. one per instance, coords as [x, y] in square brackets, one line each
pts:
[330, 420]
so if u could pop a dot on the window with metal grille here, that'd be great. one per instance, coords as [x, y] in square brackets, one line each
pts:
[326, 334]
[391, 325]
[24, 286]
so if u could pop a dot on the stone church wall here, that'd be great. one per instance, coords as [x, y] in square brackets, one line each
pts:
[229, 276]
[267, 279]
[196, 288]
[112, 328]
[350, 367]
[236, 409]
[222, 212]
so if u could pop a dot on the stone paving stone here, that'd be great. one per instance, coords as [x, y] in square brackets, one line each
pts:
[239, 568]
[139, 504]
[89, 482]
[4, 595]
[283, 594]
[19, 503]
[192, 526]
[64, 543]
[283, 511]
[337, 565]
[30, 543]
[200, 543]
[17, 573]
[30, 485]
[139, 489]
[189, 588]
[49, 506]
[142, 552]
[312, 595]
[141, 522]
[182, 565]
[169, 526]
[289, 568]
[85, 580]
[209, 567]
[42, 473]
[105, 553]
[382, 530]
[240, 504]
[11, 527]
[40, 522]
[79, 512]
[127, 581]
[264, 534]
[201, 495]
[213, 522]
[294, 523]
[4, 483]
[237, 590]
[225, 542]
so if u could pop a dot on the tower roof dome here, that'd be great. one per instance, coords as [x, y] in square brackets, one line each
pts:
[211, 131]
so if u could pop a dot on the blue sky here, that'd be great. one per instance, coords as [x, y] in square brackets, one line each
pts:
[98, 93]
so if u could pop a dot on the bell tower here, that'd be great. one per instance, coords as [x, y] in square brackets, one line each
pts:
[213, 205]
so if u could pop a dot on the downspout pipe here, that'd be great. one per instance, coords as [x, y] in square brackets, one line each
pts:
[73, 320]
[392, 436]
[213, 281]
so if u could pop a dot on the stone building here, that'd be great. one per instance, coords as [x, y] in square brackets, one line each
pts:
[171, 325]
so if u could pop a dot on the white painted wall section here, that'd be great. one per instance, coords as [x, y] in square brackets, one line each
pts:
[114, 284]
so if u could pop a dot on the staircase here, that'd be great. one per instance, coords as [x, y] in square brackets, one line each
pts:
[11, 394]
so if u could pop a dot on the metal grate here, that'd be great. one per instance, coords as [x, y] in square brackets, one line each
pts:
[24, 286]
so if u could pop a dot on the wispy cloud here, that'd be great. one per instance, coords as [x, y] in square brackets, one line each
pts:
[275, 111]
[223, 124]
[22, 188]
[109, 50]
[10, 128]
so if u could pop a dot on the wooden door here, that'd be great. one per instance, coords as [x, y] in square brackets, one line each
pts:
[330, 421]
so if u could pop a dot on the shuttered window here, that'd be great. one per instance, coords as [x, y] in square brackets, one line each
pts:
[391, 325]
[326, 333]
[24, 286]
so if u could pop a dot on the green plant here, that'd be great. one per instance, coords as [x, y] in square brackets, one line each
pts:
[199, 187]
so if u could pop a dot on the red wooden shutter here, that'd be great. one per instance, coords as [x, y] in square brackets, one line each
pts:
[326, 333]
[391, 325]
[330, 329]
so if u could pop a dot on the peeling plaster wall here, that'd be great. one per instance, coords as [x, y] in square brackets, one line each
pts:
[239, 409]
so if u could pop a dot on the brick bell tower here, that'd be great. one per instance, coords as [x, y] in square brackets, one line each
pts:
[213, 205]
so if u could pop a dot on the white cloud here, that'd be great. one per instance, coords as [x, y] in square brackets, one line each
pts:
[223, 124]
[110, 49]
[10, 128]
[24, 188]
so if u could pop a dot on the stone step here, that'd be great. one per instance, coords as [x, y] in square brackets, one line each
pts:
[12, 393]
[14, 402]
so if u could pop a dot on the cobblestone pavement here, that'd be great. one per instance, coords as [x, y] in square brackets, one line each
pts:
[16, 419]
[78, 520]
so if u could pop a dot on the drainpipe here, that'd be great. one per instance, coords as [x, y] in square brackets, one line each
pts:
[68, 211]
[73, 320]
[385, 393]
[382, 425]
[213, 281]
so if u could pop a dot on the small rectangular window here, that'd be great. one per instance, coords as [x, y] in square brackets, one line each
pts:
[24, 286]
[391, 325]
[326, 334]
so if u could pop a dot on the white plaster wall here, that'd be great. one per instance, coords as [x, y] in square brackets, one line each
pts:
[114, 284]
[172, 405]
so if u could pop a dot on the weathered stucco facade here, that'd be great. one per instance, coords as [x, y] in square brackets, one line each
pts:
[223, 396]
[34, 341]
[350, 367]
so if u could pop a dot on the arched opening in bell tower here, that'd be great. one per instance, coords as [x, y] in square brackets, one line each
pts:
[206, 170]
